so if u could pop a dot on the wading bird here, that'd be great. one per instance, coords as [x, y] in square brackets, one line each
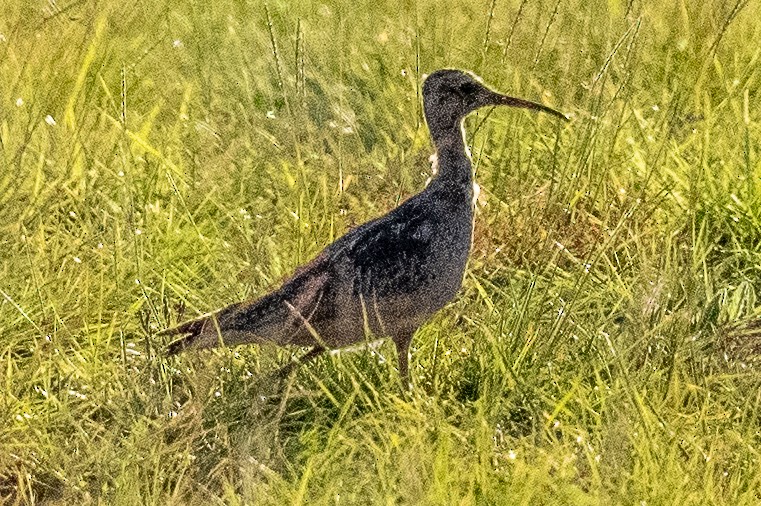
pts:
[386, 277]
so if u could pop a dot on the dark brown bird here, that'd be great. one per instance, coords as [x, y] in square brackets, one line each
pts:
[388, 276]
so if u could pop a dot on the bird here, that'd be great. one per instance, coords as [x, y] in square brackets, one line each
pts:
[386, 277]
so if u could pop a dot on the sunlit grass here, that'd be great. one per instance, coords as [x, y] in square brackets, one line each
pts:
[158, 161]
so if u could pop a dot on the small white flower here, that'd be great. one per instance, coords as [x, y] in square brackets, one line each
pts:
[50, 120]
[19, 102]
[511, 455]
[177, 44]
[138, 231]
[271, 114]
[77, 260]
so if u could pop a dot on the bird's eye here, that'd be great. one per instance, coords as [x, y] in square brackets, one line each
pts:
[468, 88]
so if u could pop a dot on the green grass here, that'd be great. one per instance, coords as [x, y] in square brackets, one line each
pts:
[603, 350]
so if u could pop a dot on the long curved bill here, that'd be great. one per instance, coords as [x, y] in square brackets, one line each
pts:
[498, 99]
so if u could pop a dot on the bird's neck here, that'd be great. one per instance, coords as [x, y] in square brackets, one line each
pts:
[453, 156]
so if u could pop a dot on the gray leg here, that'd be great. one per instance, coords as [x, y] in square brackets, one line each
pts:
[402, 342]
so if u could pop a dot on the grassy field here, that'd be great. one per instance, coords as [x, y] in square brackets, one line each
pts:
[161, 159]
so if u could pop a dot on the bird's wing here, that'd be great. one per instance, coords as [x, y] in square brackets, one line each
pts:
[386, 255]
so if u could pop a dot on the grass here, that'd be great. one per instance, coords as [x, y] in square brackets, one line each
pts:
[161, 157]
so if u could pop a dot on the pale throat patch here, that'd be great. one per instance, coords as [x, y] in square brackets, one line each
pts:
[464, 139]
[434, 159]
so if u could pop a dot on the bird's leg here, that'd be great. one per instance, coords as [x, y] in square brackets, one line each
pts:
[287, 369]
[402, 341]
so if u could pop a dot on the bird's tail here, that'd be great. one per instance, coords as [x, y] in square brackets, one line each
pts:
[277, 317]
[260, 320]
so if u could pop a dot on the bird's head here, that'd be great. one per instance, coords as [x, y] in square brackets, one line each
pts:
[450, 95]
